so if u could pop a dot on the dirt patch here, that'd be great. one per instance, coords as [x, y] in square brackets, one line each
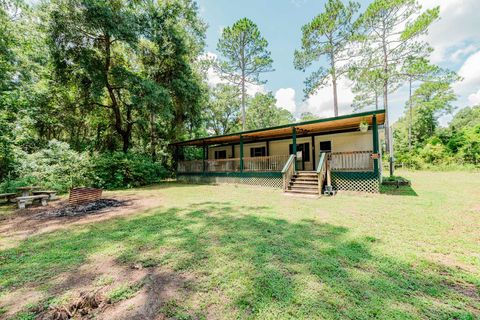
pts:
[34, 220]
[94, 207]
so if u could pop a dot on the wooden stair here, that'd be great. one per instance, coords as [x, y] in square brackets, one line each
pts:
[303, 182]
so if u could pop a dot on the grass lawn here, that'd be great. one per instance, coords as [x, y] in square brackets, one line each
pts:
[226, 252]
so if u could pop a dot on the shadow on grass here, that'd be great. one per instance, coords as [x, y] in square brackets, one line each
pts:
[263, 267]
[397, 190]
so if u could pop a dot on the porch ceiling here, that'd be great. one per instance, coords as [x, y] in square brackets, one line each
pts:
[326, 125]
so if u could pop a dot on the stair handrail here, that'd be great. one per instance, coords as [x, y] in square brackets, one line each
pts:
[321, 170]
[288, 171]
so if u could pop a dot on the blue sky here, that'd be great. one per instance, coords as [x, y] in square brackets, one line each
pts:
[455, 39]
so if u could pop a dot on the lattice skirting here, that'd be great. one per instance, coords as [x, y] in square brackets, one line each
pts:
[356, 181]
[262, 181]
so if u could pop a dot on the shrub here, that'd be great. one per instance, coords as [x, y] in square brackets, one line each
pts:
[56, 167]
[125, 170]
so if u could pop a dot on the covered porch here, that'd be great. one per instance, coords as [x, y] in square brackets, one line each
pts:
[262, 156]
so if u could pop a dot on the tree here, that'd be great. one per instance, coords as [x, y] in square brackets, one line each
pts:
[7, 61]
[263, 113]
[223, 111]
[328, 34]
[367, 87]
[420, 69]
[307, 116]
[390, 30]
[131, 60]
[245, 56]
[466, 117]
[430, 101]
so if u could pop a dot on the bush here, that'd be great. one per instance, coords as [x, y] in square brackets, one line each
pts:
[60, 168]
[56, 167]
[124, 170]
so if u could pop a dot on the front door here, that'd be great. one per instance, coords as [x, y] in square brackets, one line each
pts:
[303, 154]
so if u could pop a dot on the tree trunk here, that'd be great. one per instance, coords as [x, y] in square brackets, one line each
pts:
[334, 84]
[335, 99]
[242, 64]
[153, 137]
[410, 115]
[385, 100]
[124, 133]
[243, 100]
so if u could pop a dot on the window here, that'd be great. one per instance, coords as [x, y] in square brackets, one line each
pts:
[305, 148]
[221, 154]
[325, 146]
[258, 152]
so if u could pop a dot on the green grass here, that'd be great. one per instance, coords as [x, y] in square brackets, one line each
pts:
[408, 253]
[123, 292]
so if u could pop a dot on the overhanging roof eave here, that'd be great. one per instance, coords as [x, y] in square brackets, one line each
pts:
[235, 137]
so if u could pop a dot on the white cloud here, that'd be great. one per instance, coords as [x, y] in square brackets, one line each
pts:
[286, 99]
[474, 98]
[458, 26]
[469, 71]
[321, 103]
[462, 52]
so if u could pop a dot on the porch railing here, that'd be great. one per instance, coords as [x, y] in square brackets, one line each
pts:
[190, 166]
[351, 161]
[270, 163]
[322, 170]
[339, 161]
[222, 165]
[288, 171]
[250, 164]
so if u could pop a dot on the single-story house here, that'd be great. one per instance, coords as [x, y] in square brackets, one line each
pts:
[339, 153]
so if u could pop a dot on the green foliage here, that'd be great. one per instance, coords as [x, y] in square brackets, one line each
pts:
[307, 116]
[454, 147]
[466, 117]
[245, 56]
[60, 168]
[329, 34]
[124, 170]
[389, 34]
[55, 167]
[262, 112]
[223, 111]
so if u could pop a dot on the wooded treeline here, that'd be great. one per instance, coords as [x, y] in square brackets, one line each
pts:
[92, 92]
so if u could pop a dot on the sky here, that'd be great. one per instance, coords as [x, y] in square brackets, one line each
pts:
[455, 39]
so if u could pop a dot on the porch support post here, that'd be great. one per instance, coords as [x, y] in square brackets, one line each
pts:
[241, 153]
[294, 146]
[204, 155]
[313, 153]
[175, 157]
[375, 143]
[267, 148]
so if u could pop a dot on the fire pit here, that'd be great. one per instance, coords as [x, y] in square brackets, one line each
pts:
[94, 207]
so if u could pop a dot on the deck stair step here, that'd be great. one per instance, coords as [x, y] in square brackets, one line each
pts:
[304, 182]
[303, 192]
